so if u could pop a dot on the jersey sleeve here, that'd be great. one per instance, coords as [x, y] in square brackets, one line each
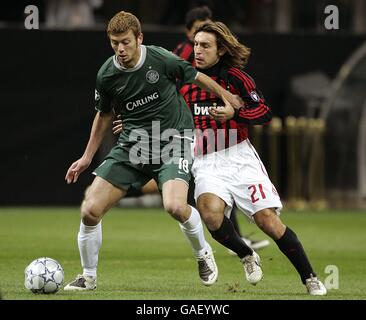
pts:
[102, 99]
[176, 67]
[255, 110]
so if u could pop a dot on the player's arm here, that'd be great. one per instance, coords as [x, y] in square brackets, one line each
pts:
[100, 125]
[222, 113]
[102, 121]
[256, 110]
[206, 83]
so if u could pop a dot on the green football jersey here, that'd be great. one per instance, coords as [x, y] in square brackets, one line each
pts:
[146, 95]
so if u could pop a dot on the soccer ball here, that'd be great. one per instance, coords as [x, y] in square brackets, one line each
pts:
[43, 275]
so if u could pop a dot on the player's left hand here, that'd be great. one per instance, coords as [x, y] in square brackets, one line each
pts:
[222, 113]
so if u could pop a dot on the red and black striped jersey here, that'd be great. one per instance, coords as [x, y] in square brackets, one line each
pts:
[216, 135]
[185, 50]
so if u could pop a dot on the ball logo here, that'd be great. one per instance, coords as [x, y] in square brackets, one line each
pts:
[152, 76]
[255, 96]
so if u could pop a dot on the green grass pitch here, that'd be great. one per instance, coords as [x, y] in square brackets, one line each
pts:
[145, 256]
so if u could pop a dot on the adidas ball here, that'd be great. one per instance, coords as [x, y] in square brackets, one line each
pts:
[43, 275]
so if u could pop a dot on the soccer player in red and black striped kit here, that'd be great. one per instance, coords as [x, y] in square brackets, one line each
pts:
[227, 168]
[194, 18]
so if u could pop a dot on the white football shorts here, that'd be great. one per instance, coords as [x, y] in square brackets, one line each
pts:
[236, 174]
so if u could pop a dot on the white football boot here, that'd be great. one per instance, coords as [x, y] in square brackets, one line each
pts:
[252, 268]
[82, 283]
[207, 268]
[315, 287]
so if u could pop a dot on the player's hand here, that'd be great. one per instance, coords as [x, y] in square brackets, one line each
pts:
[117, 126]
[222, 113]
[76, 169]
[235, 101]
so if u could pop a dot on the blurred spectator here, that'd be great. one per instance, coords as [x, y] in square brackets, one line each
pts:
[174, 12]
[194, 18]
[71, 13]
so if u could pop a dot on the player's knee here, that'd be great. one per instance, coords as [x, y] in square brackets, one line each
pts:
[210, 216]
[90, 213]
[177, 209]
[268, 221]
[86, 191]
[212, 222]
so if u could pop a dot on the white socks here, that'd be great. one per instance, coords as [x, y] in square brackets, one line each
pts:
[89, 241]
[193, 230]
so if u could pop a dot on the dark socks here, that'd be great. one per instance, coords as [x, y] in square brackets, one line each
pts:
[228, 237]
[292, 248]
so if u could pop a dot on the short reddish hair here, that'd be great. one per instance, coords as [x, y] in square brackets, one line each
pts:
[122, 22]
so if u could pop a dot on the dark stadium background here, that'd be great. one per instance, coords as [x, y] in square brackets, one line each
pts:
[48, 75]
[314, 80]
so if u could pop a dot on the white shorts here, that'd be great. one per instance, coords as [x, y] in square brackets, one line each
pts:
[238, 175]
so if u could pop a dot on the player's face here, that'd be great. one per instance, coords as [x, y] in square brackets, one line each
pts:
[126, 48]
[206, 52]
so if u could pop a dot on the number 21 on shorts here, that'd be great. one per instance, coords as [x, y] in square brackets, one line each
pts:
[255, 194]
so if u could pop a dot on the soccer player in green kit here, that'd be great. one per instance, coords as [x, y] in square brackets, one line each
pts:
[139, 83]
